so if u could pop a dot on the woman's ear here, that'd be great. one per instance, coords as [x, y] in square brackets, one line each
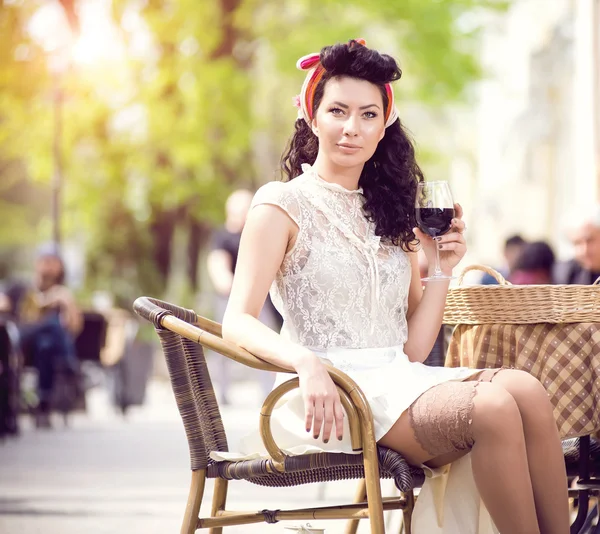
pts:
[314, 127]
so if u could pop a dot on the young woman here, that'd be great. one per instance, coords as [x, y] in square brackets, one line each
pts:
[336, 244]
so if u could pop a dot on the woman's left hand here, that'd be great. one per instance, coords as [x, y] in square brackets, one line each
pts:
[452, 244]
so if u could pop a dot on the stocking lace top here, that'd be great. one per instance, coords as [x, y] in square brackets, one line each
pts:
[339, 286]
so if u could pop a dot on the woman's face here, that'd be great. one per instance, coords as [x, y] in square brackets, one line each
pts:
[349, 121]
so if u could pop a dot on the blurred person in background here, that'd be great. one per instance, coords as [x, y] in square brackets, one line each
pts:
[513, 246]
[5, 304]
[49, 319]
[583, 231]
[534, 265]
[221, 264]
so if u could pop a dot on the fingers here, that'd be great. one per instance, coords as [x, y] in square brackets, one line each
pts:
[458, 211]
[318, 419]
[452, 242]
[458, 225]
[327, 421]
[338, 414]
[309, 410]
[452, 237]
[333, 414]
[321, 414]
[454, 247]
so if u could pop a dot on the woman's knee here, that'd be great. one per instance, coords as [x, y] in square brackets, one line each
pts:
[495, 413]
[527, 391]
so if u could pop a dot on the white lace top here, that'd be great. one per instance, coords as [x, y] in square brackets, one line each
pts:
[339, 286]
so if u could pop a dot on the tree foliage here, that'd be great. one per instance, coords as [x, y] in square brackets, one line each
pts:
[152, 145]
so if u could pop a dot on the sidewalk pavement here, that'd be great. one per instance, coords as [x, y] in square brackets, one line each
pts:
[105, 474]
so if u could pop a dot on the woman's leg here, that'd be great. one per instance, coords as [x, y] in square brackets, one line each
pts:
[447, 418]
[544, 450]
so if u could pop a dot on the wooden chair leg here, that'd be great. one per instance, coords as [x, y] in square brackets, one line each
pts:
[407, 512]
[361, 496]
[218, 503]
[373, 486]
[192, 509]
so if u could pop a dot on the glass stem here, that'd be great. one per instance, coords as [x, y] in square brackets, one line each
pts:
[438, 268]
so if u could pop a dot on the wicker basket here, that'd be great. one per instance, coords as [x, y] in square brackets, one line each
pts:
[527, 304]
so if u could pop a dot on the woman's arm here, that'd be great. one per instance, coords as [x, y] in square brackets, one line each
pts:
[425, 312]
[426, 306]
[268, 234]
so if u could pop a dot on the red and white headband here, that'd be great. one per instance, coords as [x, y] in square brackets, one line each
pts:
[304, 101]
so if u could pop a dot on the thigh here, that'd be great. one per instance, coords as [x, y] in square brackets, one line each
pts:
[401, 438]
[437, 426]
[436, 429]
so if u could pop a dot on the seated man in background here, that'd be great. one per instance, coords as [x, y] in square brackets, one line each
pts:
[583, 230]
[534, 265]
[48, 319]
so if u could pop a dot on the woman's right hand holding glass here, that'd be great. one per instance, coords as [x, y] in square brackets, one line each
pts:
[322, 404]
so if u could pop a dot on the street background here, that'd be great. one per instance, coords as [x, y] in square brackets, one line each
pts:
[108, 475]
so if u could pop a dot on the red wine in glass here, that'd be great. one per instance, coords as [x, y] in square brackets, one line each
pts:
[434, 211]
[434, 221]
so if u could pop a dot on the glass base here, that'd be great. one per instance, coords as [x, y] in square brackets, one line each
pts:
[439, 278]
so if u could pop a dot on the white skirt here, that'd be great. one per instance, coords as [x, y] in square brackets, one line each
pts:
[389, 380]
[448, 502]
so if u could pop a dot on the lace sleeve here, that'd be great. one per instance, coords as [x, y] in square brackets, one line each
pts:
[278, 194]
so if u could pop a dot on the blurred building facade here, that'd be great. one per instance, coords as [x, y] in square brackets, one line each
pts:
[536, 123]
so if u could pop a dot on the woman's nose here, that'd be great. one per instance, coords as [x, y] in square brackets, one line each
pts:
[351, 126]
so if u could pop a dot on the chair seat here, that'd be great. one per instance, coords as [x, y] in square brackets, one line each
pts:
[571, 453]
[319, 467]
[323, 467]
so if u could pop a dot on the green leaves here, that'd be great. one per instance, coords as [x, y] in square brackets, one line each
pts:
[203, 107]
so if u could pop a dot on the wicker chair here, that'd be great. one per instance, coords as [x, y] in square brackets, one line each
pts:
[183, 334]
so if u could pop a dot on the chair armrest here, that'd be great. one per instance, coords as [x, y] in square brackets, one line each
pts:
[359, 415]
[165, 315]
[226, 348]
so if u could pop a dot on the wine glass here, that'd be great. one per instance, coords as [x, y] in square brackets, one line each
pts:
[434, 210]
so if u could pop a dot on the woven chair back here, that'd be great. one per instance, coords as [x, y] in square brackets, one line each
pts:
[190, 380]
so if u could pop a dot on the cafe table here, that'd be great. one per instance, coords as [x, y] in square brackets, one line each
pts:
[565, 358]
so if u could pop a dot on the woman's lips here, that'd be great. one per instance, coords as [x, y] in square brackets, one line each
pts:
[348, 148]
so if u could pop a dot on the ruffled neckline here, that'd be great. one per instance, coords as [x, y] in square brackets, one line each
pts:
[308, 169]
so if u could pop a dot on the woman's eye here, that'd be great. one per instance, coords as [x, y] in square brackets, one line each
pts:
[336, 111]
[370, 114]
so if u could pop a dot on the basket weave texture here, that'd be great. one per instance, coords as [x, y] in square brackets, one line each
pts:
[527, 304]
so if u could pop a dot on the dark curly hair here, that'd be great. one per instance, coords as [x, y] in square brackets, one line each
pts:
[389, 179]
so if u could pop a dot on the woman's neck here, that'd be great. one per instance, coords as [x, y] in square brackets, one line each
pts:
[347, 177]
